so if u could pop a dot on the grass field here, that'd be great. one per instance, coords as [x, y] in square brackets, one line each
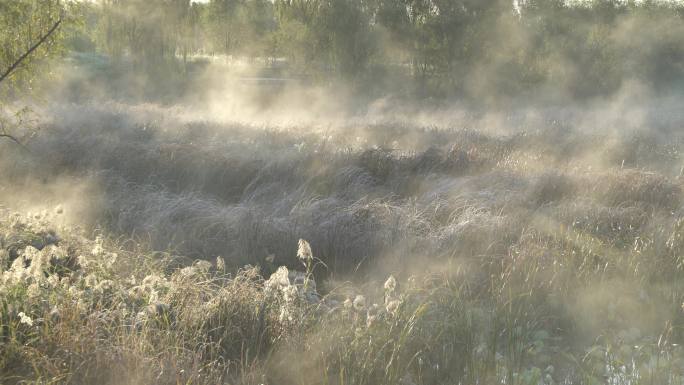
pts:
[146, 244]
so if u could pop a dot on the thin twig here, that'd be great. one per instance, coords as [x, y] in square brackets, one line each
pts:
[15, 140]
[30, 50]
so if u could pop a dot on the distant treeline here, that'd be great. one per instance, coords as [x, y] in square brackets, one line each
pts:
[442, 48]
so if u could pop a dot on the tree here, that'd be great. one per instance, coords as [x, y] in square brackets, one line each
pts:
[347, 36]
[148, 31]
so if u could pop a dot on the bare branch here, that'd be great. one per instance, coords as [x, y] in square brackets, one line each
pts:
[12, 138]
[30, 50]
[15, 140]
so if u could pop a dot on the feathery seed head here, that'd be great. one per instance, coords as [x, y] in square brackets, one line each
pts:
[220, 264]
[90, 281]
[24, 319]
[390, 284]
[359, 303]
[393, 306]
[98, 249]
[203, 266]
[290, 293]
[304, 251]
[105, 285]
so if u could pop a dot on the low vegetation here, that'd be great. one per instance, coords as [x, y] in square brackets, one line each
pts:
[471, 258]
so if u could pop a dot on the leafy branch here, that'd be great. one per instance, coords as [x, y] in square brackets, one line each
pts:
[26, 54]
[16, 64]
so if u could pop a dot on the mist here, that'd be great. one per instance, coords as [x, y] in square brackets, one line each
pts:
[342, 192]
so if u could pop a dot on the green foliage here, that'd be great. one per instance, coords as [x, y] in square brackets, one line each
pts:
[22, 24]
[480, 49]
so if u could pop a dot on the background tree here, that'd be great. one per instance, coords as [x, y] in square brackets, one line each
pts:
[474, 49]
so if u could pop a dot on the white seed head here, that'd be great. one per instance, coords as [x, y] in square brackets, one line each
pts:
[359, 303]
[90, 281]
[285, 315]
[98, 249]
[23, 318]
[390, 284]
[83, 261]
[203, 266]
[111, 259]
[393, 306]
[304, 251]
[33, 291]
[290, 293]
[105, 285]
[282, 276]
[53, 281]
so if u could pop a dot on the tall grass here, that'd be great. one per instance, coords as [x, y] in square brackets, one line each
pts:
[542, 256]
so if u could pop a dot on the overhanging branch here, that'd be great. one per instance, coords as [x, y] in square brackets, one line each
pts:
[15, 140]
[23, 57]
